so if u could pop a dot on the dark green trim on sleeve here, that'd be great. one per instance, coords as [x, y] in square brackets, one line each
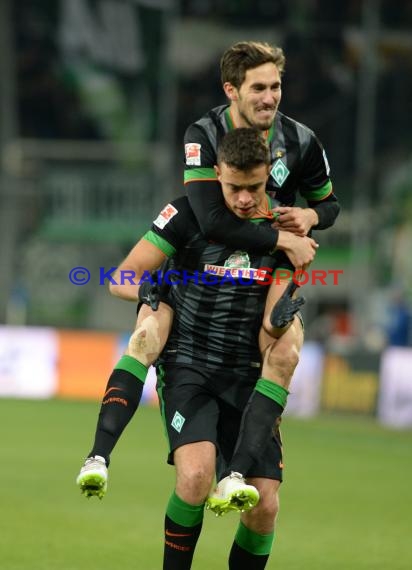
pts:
[318, 194]
[160, 243]
[200, 174]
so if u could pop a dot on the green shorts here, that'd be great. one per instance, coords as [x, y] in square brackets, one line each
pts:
[206, 404]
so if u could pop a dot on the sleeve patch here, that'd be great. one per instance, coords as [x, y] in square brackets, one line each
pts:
[165, 216]
[192, 152]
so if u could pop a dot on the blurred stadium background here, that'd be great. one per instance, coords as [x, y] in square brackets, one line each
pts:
[94, 98]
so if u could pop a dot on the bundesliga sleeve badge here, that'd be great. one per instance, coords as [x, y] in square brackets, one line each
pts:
[165, 216]
[192, 152]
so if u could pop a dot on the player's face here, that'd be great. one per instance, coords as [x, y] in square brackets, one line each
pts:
[243, 191]
[256, 101]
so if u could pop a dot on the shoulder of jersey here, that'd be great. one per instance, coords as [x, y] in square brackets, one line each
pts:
[212, 114]
[288, 121]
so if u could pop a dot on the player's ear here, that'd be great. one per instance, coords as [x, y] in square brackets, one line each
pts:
[230, 91]
[217, 170]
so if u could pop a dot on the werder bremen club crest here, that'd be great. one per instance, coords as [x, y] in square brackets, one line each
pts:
[238, 259]
[279, 172]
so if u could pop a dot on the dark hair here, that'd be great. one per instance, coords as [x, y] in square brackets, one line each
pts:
[243, 149]
[247, 55]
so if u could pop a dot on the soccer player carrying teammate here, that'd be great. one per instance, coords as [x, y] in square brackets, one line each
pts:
[251, 77]
[211, 363]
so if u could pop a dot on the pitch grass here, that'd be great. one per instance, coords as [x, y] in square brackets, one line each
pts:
[346, 502]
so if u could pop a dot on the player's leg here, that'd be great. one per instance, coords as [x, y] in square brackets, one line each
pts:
[268, 399]
[195, 468]
[280, 352]
[123, 393]
[232, 493]
[125, 386]
[190, 416]
[255, 534]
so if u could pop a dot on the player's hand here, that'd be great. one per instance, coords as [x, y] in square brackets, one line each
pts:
[297, 220]
[286, 307]
[300, 250]
[149, 293]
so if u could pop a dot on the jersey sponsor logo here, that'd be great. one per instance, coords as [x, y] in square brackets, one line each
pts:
[192, 152]
[237, 266]
[165, 216]
[279, 172]
[236, 272]
[325, 158]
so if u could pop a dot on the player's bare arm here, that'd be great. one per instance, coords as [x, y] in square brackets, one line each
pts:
[144, 257]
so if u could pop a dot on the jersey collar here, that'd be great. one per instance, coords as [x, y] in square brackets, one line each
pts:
[265, 211]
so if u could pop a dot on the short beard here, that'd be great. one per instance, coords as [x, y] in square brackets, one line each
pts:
[260, 127]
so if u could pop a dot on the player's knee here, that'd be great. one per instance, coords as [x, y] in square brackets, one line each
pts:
[144, 343]
[261, 519]
[267, 511]
[193, 485]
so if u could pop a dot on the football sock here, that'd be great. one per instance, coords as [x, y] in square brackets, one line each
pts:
[250, 551]
[120, 401]
[183, 523]
[264, 407]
